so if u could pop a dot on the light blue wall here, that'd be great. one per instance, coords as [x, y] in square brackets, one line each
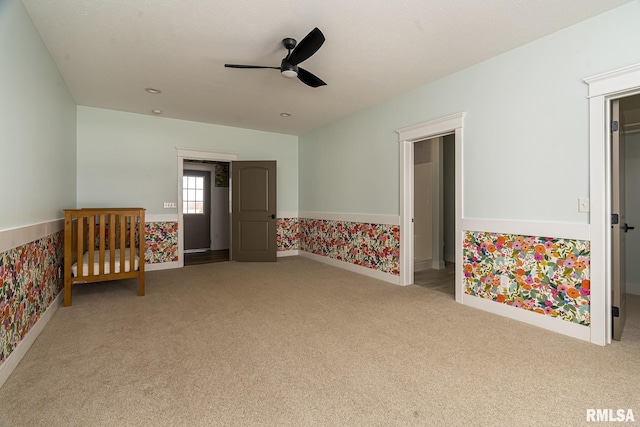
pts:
[127, 159]
[525, 136]
[37, 126]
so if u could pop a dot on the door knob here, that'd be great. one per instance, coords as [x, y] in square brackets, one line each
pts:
[626, 227]
[273, 216]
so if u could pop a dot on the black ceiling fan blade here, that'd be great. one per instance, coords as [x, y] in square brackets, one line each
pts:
[249, 66]
[309, 79]
[307, 47]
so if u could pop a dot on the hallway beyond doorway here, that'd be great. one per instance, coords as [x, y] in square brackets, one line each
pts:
[442, 280]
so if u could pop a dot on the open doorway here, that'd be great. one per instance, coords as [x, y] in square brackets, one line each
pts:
[434, 213]
[205, 208]
[254, 193]
[625, 168]
[631, 112]
[407, 137]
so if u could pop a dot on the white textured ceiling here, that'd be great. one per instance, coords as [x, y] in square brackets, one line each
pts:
[108, 51]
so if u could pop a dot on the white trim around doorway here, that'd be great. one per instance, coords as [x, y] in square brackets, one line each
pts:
[406, 138]
[602, 89]
[193, 154]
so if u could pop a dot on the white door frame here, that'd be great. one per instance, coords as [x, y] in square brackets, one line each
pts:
[406, 138]
[602, 89]
[194, 154]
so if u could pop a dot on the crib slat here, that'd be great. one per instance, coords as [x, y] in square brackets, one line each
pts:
[132, 243]
[123, 233]
[101, 219]
[80, 246]
[91, 247]
[112, 243]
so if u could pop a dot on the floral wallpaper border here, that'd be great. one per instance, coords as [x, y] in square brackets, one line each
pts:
[161, 239]
[548, 276]
[161, 242]
[375, 246]
[287, 234]
[30, 279]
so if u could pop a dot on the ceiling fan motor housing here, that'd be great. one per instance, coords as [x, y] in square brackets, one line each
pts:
[288, 70]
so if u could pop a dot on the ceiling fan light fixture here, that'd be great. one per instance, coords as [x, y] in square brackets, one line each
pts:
[288, 70]
[289, 73]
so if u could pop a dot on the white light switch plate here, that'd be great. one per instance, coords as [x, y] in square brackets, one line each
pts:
[583, 205]
[169, 205]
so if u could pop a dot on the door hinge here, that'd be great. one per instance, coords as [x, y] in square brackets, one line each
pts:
[615, 311]
[614, 126]
[614, 219]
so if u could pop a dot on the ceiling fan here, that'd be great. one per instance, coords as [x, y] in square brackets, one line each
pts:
[297, 53]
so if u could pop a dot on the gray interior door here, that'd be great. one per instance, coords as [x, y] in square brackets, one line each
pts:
[196, 209]
[619, 224]
[253, 211]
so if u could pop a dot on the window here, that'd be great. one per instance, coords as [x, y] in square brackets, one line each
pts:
[193, 194]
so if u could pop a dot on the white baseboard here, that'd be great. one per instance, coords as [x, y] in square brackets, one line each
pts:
[428, 264]
[376, 274]
[161, 266]
[438, 265]
[633, 288]
[553, 324]
[425, 264]
[282, 254]
[6, 369]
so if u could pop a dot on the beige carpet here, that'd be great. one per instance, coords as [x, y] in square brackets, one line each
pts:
[304, 344]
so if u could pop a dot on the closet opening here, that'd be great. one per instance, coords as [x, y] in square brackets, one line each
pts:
[434, 213]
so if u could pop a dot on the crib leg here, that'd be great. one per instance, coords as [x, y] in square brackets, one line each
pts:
[141, 285]
[67, 292]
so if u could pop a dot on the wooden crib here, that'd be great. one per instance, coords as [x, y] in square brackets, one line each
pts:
[101, 245]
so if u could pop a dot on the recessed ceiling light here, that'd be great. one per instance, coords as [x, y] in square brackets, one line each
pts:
[152, 90]
[285, 114]
[156, 111]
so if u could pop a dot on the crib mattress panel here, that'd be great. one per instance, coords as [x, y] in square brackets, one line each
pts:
[126, 265]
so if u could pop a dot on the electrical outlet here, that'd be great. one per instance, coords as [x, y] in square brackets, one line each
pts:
[504, 285]
[169, 205]
[583, 204]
